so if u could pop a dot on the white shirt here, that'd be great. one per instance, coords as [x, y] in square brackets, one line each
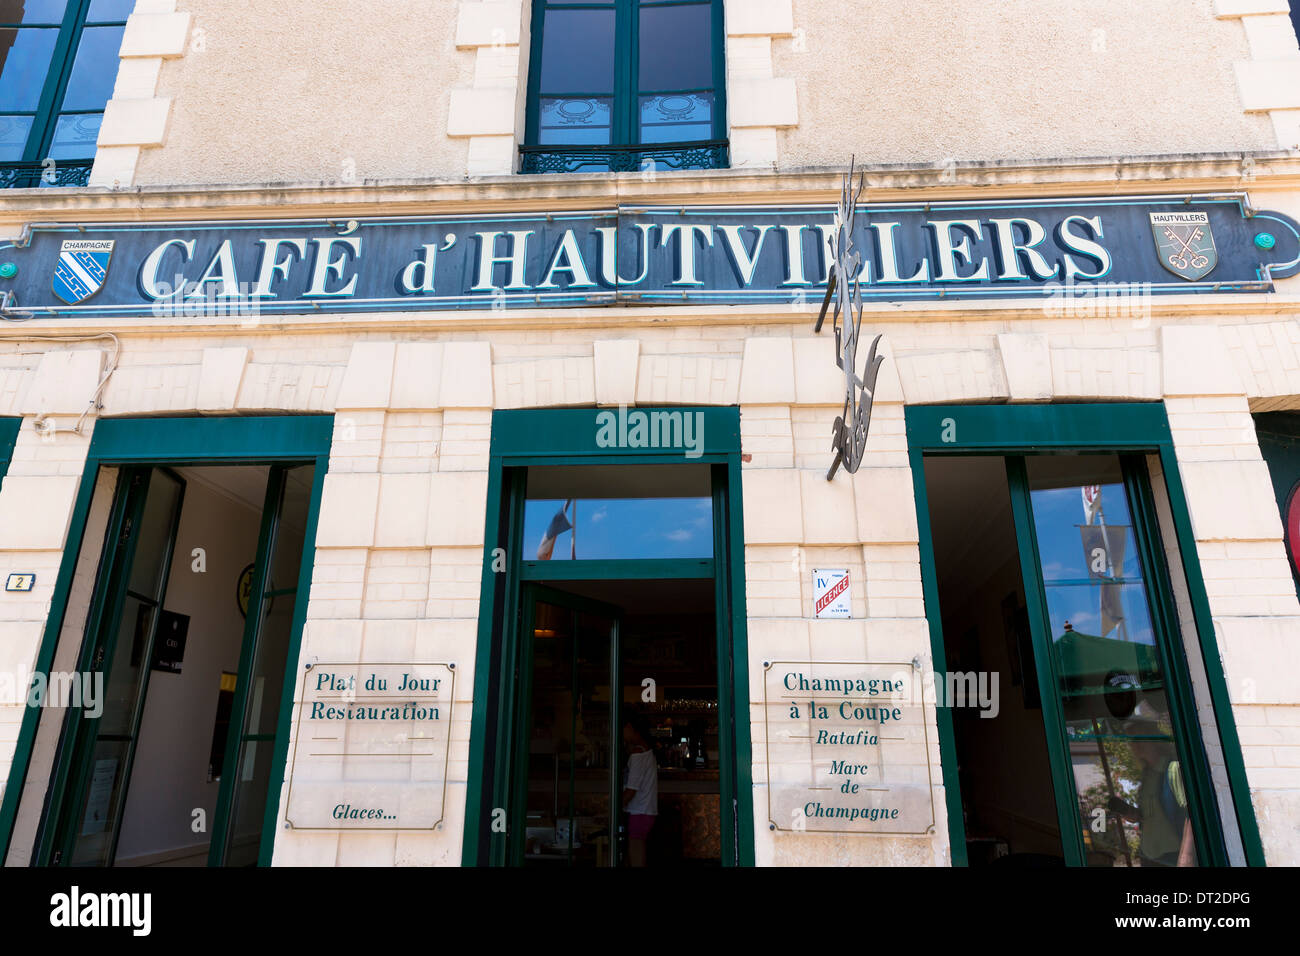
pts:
[643, 777]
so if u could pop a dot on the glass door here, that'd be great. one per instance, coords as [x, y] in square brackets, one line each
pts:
[1128, 765]
[245, 798]
[567, 789]
[122, 626]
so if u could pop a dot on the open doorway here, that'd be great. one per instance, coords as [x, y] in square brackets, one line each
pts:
[623, 714]
[190, 625]
[1006, 781]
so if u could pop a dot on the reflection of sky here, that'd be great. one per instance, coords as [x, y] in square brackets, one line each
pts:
[1058, 513]
[626, 528]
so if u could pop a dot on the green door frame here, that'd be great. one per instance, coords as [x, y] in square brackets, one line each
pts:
[72, 774]
[1125, 428]
[569, 437]
[301, 439]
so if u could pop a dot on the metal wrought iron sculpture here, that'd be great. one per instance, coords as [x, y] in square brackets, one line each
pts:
[843, 287]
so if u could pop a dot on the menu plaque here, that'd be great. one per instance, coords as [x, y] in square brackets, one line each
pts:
[847, 748]
[371, 747]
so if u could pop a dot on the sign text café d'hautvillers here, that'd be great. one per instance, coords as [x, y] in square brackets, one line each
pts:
[327, 591]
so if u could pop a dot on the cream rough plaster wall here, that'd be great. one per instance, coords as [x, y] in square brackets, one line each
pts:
[301, 91]
[413, 419]
[932, 81]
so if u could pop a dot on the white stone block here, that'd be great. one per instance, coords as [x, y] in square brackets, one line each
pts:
[466, 375]
[1269, 84]
[135, 122]
[1286, 127]
[487, 112]
[65, 382]
[114, 166]
[35, 511]
[1231, 500]
[886, 505]
[457, 509]
[491, 156]
[349, 503]
[1027, 364]
[757, 17]
[829, 513]
[817, 379]
[417, 376]
[403, 511]
[1231, 9]
[1270, 37]
[368, 380]
[763, 103]
[155, 35]
[773, 514]
[488, 23]
[753, 148]
[616, 370]
[749, 58]
[1256, 655]
[220, 374]
[767, 372]
[137, 79]
[1196, 362]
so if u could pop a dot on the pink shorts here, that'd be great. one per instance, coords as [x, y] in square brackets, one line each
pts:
[639, 825]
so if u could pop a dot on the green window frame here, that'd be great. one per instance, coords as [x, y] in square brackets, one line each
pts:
[48, 139]
[297, 439]
[628, 147]
[521, 438]
[1131, 430]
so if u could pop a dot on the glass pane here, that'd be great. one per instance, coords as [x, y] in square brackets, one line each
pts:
[620, 511]
[676, 118]
[1128, 774]
[676, 47]
[571, 747]
[578, 51]
[13, 136]
[291, 530]
[32, 11]
[126, 668]
[24, 63]
[574, 122]
[75, 136]
[94, 70]
[109, 11]
[94, 837]
[151, 550]
[254, 771]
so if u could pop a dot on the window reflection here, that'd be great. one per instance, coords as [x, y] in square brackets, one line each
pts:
[609, 512]
[1128, 775]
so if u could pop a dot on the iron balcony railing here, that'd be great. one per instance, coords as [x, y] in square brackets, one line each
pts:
[710, 154]
[67, 172]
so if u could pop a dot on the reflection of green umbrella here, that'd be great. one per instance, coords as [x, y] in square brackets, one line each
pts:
[1092, 666]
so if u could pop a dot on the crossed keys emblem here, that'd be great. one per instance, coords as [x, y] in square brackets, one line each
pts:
[844, 289]
[1186, 255]
[1185, 243]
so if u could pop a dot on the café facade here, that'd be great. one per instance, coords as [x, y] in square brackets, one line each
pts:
[911, 510]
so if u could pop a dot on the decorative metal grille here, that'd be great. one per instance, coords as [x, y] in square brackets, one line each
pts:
[624, 159]
[31, 175]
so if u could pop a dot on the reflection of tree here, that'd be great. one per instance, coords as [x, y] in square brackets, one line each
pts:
[1125, 777]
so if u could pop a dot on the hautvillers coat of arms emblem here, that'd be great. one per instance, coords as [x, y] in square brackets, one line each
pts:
[1185, 243]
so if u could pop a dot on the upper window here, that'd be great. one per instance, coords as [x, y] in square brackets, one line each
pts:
[625, 85]
[58, 61]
